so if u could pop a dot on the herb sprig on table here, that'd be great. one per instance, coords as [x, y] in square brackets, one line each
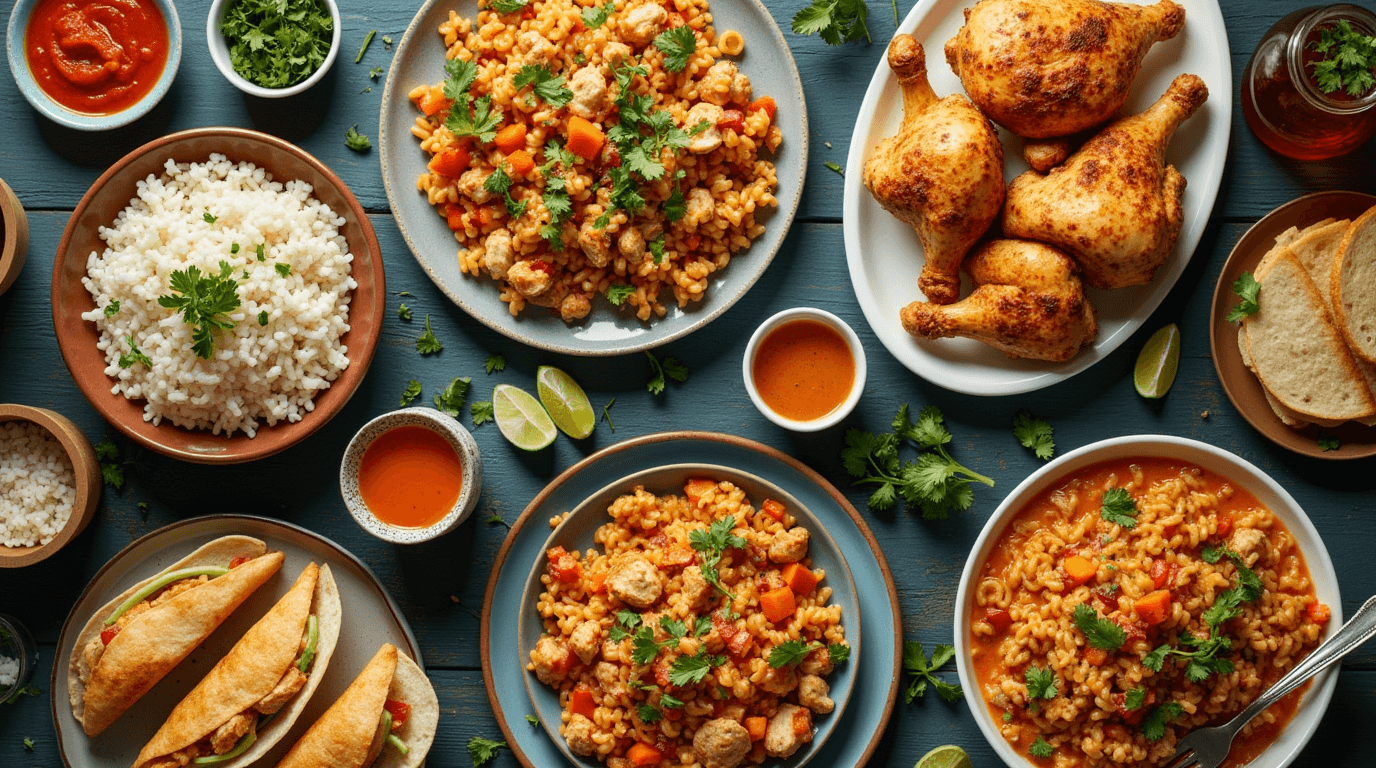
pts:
[835, 21]
[277, 43]
[1349, 57]
[924, 672]
[1036, 434]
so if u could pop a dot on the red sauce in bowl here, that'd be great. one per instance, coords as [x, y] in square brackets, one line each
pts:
[96, 57]
[410, 477]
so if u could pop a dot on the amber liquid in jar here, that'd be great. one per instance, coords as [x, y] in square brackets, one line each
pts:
[1281, 101]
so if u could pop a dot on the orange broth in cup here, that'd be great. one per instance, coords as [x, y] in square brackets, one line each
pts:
[803, 370]
[410, 477]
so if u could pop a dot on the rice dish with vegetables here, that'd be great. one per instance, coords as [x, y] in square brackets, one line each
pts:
[1136, 601]
[583, 149]
[222, 297]
[699, 636]
[37, 486]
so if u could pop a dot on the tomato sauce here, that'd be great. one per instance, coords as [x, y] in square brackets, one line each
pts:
[96, 57]
[803, 370]
[410, 477]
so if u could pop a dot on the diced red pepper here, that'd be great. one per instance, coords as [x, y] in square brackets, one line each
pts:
[581, 702]
[108, 634]
[732, 120]
[998, 618]
[453, 216]
[1318, 613]
[1163, 574]
[1225, 525]
[563, 566]
[774, 509]
[238, 561]
[400, 711]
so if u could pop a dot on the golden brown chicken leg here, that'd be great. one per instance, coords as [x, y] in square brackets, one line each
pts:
[1043, 69]
[1114, 205]
[1029, 303]
[942, 173]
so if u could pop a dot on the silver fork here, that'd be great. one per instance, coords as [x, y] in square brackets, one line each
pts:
[1208, 747]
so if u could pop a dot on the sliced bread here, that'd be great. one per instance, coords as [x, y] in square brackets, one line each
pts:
[1297, 353]
[1354, 287]
[1287, 416]
[1315, 251]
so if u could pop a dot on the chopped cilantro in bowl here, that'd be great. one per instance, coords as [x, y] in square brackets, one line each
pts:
[273, 48]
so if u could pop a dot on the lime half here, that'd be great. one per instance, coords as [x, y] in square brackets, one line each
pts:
[948, 756]
[521, 418]
[1157, 363]
[565, 401]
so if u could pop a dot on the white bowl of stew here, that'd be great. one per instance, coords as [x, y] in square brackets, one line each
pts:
[1020, 540]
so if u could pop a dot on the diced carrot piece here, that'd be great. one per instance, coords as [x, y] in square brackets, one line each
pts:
[672, 714]
[998, 618]
[581, 702]
[599, 583]
[732, 120]
[697, 487]
[1155, 607]
[1079, 569]
[802, 723]
[1162, 574]
[799, 579]
[453, 216]
[1318, 613]
[767, 104]
[585, 139]
[756, 726]
[1096, 656]
[511, 138]
[773, 508]
[1225, 525]
[486, 215]
[563, 566]
[676, 557]
[521, 162]
[434, 102]
[778, 604]
[641, 754]
[451, 162]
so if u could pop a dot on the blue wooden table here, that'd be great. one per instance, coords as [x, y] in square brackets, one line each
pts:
[50, 168]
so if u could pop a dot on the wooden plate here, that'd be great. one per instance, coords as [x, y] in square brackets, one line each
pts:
[112, 192]
[84, 467]
[1244, 389]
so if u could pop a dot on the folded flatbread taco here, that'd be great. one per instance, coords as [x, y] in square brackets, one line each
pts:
[386, 719]
[250, 699]
[134, 640]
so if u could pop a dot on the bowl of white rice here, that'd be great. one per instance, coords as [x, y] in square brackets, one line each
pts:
[218, 295]
[49, 484]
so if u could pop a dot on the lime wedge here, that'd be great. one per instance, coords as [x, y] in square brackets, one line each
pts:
[565, 401]
[947, 756]
[1157, 363]
[521, 418]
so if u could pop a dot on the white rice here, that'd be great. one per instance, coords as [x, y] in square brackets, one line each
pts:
[9, 671]
[37, 487]
[257, 373]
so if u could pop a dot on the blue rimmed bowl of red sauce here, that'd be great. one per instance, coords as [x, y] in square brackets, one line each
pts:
[94, 65]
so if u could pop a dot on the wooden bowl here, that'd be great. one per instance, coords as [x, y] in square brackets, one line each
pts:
[84, 467]
[14, 237]
[112, 192]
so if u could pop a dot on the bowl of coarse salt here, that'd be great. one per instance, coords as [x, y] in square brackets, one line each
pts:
[49, 484]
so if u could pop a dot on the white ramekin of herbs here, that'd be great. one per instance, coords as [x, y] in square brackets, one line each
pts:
[273, 48]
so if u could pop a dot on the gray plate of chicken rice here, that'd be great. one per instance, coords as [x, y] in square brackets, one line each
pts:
[37, 485]
[590, 178]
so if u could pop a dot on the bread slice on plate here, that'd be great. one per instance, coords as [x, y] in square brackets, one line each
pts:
[1315, 251]
[1353, 287]
[1297, 353]
[1287, 416]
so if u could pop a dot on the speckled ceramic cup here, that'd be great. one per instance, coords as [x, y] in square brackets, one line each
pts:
[450, 429]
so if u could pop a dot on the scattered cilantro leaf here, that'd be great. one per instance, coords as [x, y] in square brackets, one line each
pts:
[357, 141]
[387, 40]
[259, 252]
[617, 293]
[204, 301]
[1034, 433]
[838, 653]
[263, 318]
[677, 44]
[282, 269]
[702, 625]
[134, 355]
[111, 471]
[835, 21]
[836, 168]
[1328, 444]
[547, 85]
[410, 394]
[427, 344]
[596, 16]
[648, 714]
[367, 40]
[459, 76]
[404, 312]
[112, 308]
[1099, 632]
[670, 368]
[1135, 698]
[1154, 727]
[1118, 507]
[28, 690]
[450, 399]
[478, 120]
[710, 544]
[657, 249]
[670, 702]
[28, 744]
[376, 72]
[934, 484]
[1040, 748]
[507, 6]
[481, 750]
[607, 414]
[1249, 290]
[1041, 683]
[494, 363]
[481, 411]
[691, 670]
[923, 672]
[208, 218]
[532, 719]
[1211, 554]
[1349, 58]
[789, 653]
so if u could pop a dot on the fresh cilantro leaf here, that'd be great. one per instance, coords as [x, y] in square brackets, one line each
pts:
[376, 72]
[671, 368]
[930, 430]
[617, 293]
[450, 399]
[112, 308]
[596, 16]
[532, 719]
[427, 344]
[1135, 698]
[496, 517]
[28, 744]
[282, 269]
[657, 249]
[915, 663]
[711, 543]
[1154, 727]
[676, 207]
[607, 414]
[677, 44]
[1211, 554]
[259, 252]
[507, 6]
[404, 312]
[1041, 683]
[691, 670]
[134, 355]
[934, 484]
[644, 649]
[28, 690]
[547, 85]
[836, 168]
[204, 302]
[1118, 507]
[648, 714]
[357, 141]
[702, 625]
[481, 410]
[1034, 433]
[835, 21]
[263, 318]
[410, 394]
[459, 77]
[1007, 717]
[1040, 748]
[367, 40]
[1328, 444]
[789, 653]
[111, 471]
[477, 120]
[676, 629]
[670, 702]
[481, 750]
[1348, 62]
[494, 363]
[1249, 290]
[1099, 632]
[839, 653]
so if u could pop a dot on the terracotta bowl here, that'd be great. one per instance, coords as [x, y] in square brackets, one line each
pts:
[112, 192]
[14, 237]
[84, 466]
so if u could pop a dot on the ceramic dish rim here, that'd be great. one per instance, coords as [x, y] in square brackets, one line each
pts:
[1320, 565]
[14, 246]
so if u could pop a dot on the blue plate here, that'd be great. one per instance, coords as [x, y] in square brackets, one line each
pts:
[874, 674]
[419, 60]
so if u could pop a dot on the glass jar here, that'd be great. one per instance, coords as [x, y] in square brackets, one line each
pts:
[18, 657]
[1284, 106]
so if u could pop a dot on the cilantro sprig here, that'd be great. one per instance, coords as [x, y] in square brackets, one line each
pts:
[449, 400]
[468, 117]
[1034, 433]
[1154, 727]
[410, 394]
[923, 672]
[1099, 632]
[1249, 290]
[204, 301]
[711, 543]
[835, 21]
[934, 484]
[135, 355]
[277, 43]
[547, 85]
[1205, 658]
[427, 344]
[1348, 59]
[791, 652]
[1040, 748]
[644, 647]
[480, 750]
[1041, 683]
[677, 44]
[670, 367]
[1118, 507]
[596, 16]
[691, 670]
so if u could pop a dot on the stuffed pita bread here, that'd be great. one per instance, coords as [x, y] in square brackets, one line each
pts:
[251, 698]
[386, 719]
[134, 640]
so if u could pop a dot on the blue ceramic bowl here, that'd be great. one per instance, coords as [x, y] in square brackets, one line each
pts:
[46, 106]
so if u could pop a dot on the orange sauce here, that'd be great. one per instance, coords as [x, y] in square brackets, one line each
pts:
[97, 57]
[1042, 512]
[410, 477]
[803, 370]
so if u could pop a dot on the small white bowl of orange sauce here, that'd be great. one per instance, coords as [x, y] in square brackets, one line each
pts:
[411, 475]
[804, 369]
